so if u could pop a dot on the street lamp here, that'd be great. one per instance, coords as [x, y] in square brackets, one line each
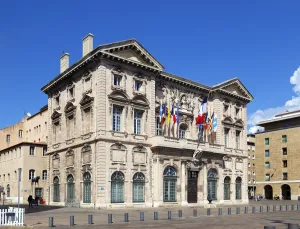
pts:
[19, 185]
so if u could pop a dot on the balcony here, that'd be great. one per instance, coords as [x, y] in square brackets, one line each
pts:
[189, 144]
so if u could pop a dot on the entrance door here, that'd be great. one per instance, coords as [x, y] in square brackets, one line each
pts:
[192, 186]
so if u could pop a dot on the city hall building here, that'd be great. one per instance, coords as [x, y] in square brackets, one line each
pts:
[107, 144]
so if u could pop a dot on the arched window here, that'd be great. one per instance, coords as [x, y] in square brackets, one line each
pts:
[117, 187]
[8, 190]
[56, 189]
[182, 131]
[70, 188]
[227, 188]
[138, 187]
[170, 179]
[238, 188]
[86, 187]
[212, 184]
[31, 174]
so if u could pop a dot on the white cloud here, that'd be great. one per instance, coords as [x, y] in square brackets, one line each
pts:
[255, 129]
[289, 105]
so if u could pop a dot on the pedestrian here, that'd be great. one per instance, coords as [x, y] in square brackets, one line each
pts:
[37, 201]
[30, 200]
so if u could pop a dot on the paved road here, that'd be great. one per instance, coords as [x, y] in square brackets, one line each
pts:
[61, 216]
[253, 221]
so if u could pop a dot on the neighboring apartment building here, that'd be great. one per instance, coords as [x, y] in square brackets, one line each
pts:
[251, 164]
[278, 157]
[108, 146]
[24, 146]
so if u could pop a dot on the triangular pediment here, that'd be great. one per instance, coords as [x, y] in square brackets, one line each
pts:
[70, 107]
[86, 99]
[235, 87]
[133, 51]
[55, 115]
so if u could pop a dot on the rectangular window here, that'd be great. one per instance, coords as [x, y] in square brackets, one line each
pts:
[267, 141]
[31, 150]
[44, 175]
[237, 138]
[44, 150]
[138, 115]
[267, 177]
[137, 85]
[249, 165]
[71, 92]
[31, 174]
[117, 80]
[117, 112]
[284, 151]
[57, 100]
[285, 176]
[284, 138]
[20, 133]
[226, 136]
[237, 111]
[267, 153]
[8, 138]
[226, 109]
[267, 165]
[284, 162]
[158, 127]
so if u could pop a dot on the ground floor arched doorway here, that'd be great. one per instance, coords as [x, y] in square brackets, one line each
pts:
[286, 192]
[268, 192]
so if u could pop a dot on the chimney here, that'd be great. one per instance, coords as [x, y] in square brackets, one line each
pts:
[64, 62]
[87, 44]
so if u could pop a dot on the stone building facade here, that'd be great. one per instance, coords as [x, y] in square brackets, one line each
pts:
[278, 157]
[24, 145]
[107, 146]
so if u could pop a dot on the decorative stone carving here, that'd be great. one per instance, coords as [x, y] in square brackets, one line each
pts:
[227, 162]
[70, 158]
[139, 154]
[239, 164]
[86, 154]
[55, 161]
[118, 153]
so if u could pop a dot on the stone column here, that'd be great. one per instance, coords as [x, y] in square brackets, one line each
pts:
[183, 183]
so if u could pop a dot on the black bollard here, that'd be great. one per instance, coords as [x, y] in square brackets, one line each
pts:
[280, 207]
[72, 223]
[169, 215]
[126, 220]
[195, 213]
[286, 207]
[208, 212]
[229, 211]
[220, 211]
[142, 216]
[237, 210]
[293, 226]
[269, 227]
[261, 209]
[51, 221]
[246, 210]
[253, 209]
[179, 213]
[155, 215]
[268, 208]
[292, 207]
[298, 207]
[274, 208]
[110, 218]
[90, 219]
